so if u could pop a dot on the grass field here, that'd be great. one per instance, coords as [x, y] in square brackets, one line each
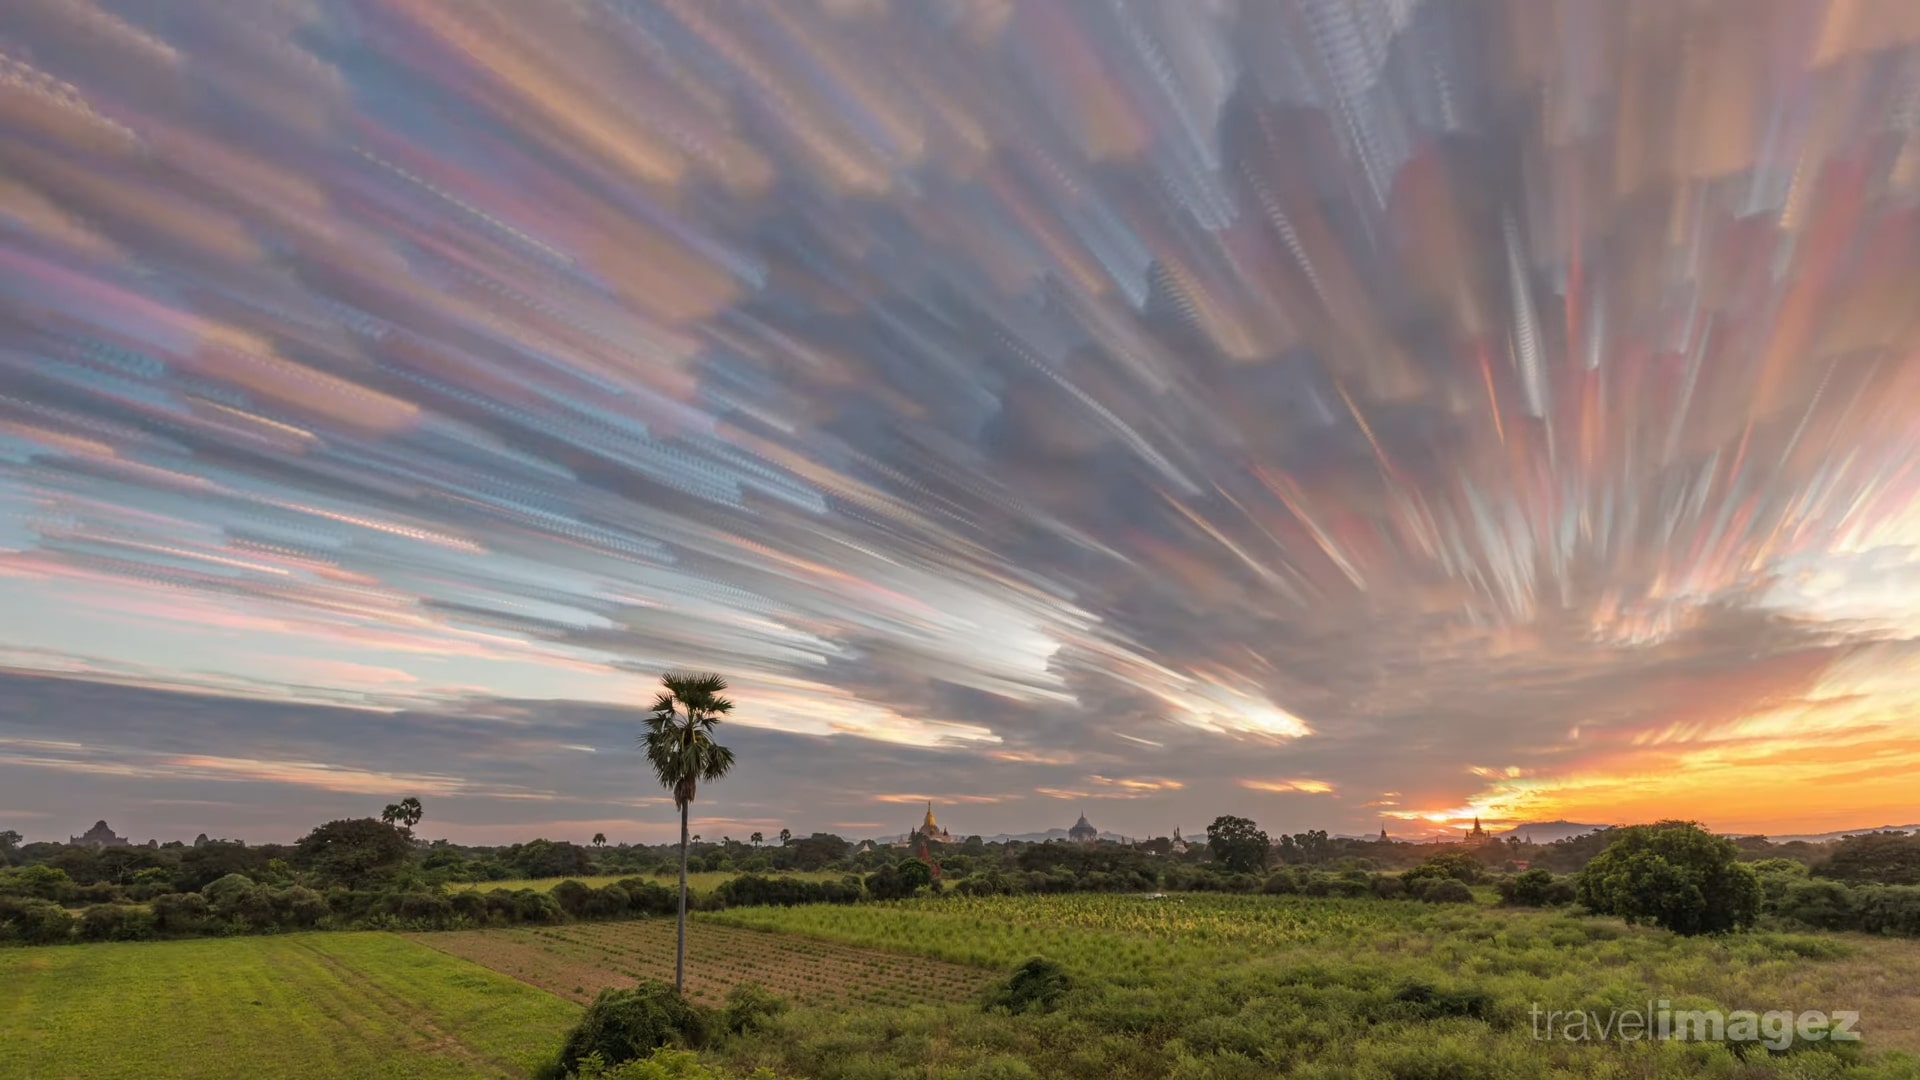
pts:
[699, 882]
[577, 961]
[300, 1005]
[1195, 987]
[1238, 988]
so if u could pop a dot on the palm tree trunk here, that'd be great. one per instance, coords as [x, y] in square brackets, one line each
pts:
[680, 956]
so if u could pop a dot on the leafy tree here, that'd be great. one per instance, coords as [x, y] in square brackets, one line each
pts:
[1673, 874]
[1237, 844]
[9, 844]
[682, 751]
[405, 814]
[599, 839]
[755, 839]
[354, 851]
[1890, 858]
[785, 835]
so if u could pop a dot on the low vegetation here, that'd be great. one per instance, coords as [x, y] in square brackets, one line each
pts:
[292, 1006]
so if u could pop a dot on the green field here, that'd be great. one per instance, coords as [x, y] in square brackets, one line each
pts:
[298, 1005]
[1191, 987]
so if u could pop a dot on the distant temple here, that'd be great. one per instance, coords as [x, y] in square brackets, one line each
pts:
[929, 832]
[1179, 846]
[1477, 835]
[99, 837]
[1383, 835]
[1083, 831]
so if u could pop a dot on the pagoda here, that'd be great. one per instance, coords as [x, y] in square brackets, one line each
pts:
[1083, 831]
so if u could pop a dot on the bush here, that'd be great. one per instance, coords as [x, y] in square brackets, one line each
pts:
[298, 907]
[1457, 865]
[34, 921]
[1823, 905]
[1037, 985]
[116, 922]
[572, 896]
[1388, 887]
[235, 898]
[1439, 891]
[749, 1006]
[1673, 874]
[1424, 1001]
[623, 1024]
[1535, 888]
[40, 882]
[645, 897]
[180, 913]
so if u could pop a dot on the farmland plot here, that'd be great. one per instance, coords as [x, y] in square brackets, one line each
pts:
[576, 961]
[364, 1005]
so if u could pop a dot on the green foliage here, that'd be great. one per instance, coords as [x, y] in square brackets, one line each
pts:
[1439, 890]
[1037, 985]
[621, 1024]
[1237, 844]
[354, 852]
[1457, 865]
[1885, 858]
[41, 882]
[1535, 888]
[750, 1006]
[1673, 874]
[662, 1064]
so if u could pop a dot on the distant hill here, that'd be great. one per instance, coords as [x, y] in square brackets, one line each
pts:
[1821, 838]
[1546, 832]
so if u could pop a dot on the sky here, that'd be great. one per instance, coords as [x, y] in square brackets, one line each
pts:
[1346, 415]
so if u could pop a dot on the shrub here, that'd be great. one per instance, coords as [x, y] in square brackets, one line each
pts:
[572, 896]
[646, 897]
[424, 908]
[180, 913]
[1282, 883]
[749, 1006]
[41, 882]
[298, 907]
[1420, 1000]
[1439, 891]
[1037, 985]
[1388, 887]
[1535, 888]
[116, 922]
[1457, 865]
[235, 898]
[1673, 874]
[624, 1024]
[1824, 905]
[34, 921]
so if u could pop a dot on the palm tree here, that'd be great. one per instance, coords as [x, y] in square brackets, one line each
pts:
[785, 835]
[404, 814]
[599, 839]
[756, 839]
[680, 747]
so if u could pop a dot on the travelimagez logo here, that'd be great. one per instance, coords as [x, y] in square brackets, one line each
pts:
[1775, 1030]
